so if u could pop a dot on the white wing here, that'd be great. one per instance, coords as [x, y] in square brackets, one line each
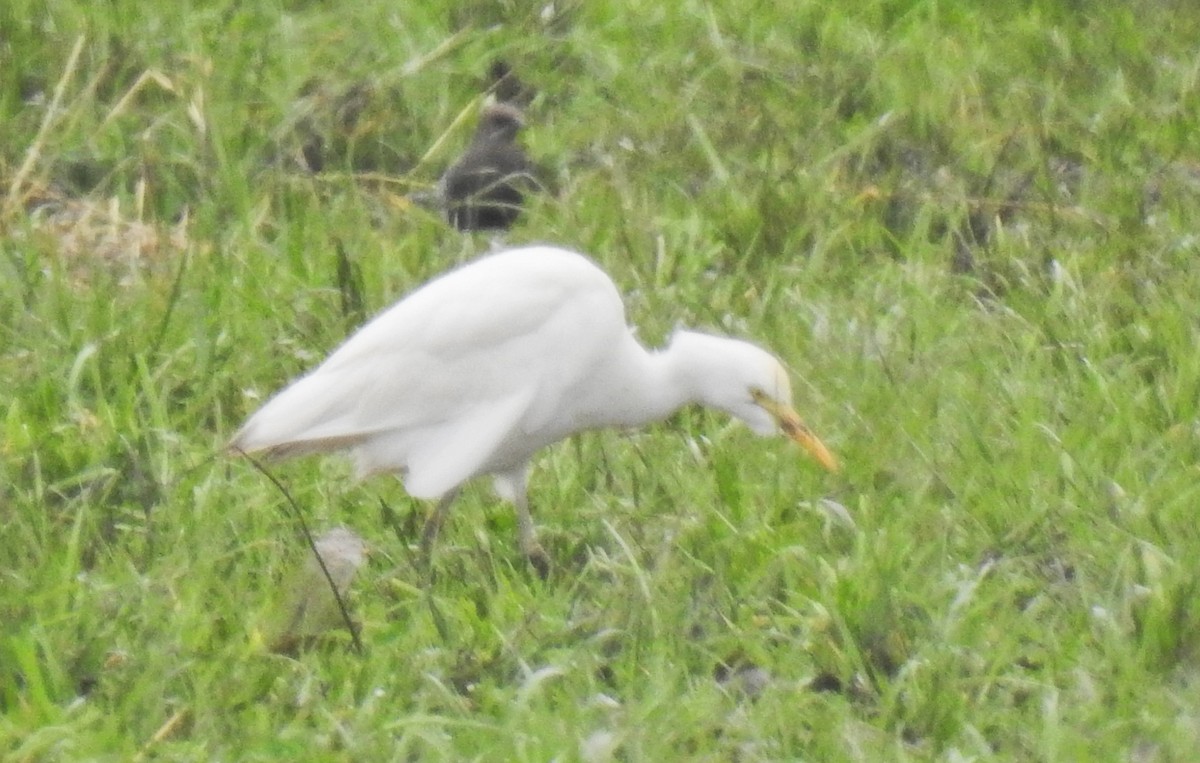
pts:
[472, 372]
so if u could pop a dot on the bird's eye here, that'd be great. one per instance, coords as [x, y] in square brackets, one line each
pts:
[758, 396]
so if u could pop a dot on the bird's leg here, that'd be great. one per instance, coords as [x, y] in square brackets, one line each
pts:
[527, 537]
[434, 524]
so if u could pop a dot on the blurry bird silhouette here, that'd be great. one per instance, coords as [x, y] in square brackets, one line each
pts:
[503, 83]
[485, 188]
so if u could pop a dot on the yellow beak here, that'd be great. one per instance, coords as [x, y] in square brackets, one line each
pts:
[791, 425]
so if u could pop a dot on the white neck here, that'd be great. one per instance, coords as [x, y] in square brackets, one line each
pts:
[642, 386]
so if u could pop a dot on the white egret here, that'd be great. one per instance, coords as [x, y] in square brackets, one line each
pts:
[477, 370]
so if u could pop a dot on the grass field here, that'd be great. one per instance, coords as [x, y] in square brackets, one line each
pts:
[971, 232]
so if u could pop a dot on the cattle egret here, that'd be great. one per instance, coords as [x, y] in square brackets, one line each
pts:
[477, 370]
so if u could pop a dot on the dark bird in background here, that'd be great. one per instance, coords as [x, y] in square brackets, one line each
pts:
[503, 83]
[485, 188]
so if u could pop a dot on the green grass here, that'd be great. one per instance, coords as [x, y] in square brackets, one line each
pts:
[971, 232]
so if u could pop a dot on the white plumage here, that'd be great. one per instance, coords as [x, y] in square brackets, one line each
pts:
[477, 370]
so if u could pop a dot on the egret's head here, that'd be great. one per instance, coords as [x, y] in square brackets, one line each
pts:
[748, 383]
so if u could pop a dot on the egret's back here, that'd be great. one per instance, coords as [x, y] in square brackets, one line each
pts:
[458, 378]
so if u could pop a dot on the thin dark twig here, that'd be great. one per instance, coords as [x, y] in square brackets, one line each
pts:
[312, 544]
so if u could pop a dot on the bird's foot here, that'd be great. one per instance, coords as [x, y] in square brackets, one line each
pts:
[538, 559]
[433, 525]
